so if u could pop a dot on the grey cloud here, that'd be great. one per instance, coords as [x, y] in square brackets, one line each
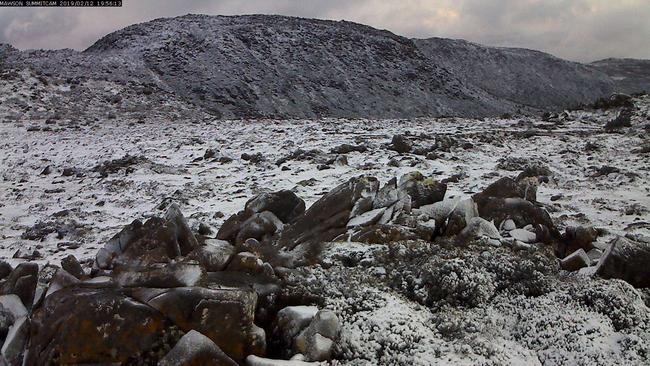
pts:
[581, 30]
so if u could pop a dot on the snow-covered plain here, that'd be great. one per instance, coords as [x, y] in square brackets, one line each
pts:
[208, 188]
[56, 198]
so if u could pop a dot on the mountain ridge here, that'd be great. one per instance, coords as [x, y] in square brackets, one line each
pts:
[272, 66]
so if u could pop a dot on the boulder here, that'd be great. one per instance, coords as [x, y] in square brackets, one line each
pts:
[72, 266]
[184, 236]
[439, 211]
[387, 196]
[22, 282]
[327, 218]
[506, 188]
[574, 238]
[575, 261]
[246, 262]
[13, 348]
[478, 228]
[464, 211]
[423, 191]
[316, 341]
[285, 205]
[258, 226]
[508, 225]
[289, 322]
[519, 210]
[6, 321]
[214, 255]
[139, 245]
[195, 349]
[60, 280]
[225, 316]
[228, 231]
[5, 270]
[626, 260]
[366, 219]
[400, 144]
[524, 236]
[77, 326]
[13, 305]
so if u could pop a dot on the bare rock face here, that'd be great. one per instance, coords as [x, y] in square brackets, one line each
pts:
[328, 217]
[77, 325]
[626, 260]
[225, 316]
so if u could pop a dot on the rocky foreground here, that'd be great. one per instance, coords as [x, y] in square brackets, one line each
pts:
[501, 241]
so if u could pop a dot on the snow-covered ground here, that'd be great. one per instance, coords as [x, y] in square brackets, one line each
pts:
[209, 190]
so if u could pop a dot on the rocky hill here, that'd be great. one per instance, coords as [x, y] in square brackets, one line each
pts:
[522, 76]
[629, 75]
[284, 67]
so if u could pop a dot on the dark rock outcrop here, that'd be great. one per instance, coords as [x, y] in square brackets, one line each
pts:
[626, 260]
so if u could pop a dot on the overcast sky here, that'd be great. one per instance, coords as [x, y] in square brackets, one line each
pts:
[583, 30]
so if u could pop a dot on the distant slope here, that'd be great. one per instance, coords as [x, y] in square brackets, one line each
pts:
[522, 76]
[285, 67]
[629, 75]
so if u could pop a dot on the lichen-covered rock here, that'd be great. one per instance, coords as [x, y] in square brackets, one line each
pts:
[626, 260]
[195, 349]
[422, 190]
[77, 326]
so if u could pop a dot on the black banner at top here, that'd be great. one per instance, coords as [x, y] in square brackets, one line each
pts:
[61, 3]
